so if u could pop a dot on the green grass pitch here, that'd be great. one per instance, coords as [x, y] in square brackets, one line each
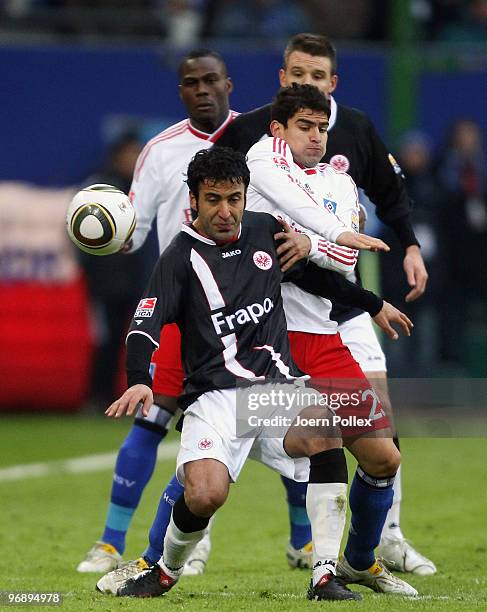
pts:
[50, 521]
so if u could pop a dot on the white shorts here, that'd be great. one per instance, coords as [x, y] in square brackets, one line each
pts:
[209, 432]
[359, 336]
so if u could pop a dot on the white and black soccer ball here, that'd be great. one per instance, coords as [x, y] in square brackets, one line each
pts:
[100, 219]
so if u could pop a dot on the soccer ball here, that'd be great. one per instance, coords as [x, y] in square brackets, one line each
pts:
[100, 219]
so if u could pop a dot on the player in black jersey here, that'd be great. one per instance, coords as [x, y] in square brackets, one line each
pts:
[230, 331]
[354, 147]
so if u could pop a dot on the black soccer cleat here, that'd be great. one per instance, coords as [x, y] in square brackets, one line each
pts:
[152, 582]
[331, 588]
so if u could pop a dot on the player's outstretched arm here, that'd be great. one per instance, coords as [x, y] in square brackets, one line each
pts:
[301, 243]
[390, 314]
[130, 400]
[362, 242]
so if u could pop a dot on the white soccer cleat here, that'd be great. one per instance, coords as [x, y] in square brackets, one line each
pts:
[301, 558]
[111, 582]
[196, 564]
[400, 556]
[100, 559]
[377, 577]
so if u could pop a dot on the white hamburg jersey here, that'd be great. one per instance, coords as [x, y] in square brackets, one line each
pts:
[321, 202]
[159, 188]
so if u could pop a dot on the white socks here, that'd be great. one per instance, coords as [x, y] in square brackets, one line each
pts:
[392, 527]
[326, 504]
[178, 546]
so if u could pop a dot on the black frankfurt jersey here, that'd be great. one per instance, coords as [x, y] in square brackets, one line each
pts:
[226, 300]
[227, 303]
[353, 147]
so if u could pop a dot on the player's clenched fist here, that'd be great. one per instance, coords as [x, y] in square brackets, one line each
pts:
[130, 400]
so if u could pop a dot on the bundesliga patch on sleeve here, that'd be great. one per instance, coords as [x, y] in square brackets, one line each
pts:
[396, 167]
[282, 164]
[145, 307]
[355, 221]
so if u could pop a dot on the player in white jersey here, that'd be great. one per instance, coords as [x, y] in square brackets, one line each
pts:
[159, 189]
[285, 181]
[354, 146]
[311, 59]
[281, 187]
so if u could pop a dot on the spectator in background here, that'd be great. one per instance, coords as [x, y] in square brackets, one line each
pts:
[470, 27]
[115, 283]
[347, 19]
[463, 175]
[434, 15]
[416, 356]
[259, 19]
[182, 20]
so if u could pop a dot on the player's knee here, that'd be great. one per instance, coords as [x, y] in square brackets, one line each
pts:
[385, 463]
[313, 432]
[312, 446]
[205, 500]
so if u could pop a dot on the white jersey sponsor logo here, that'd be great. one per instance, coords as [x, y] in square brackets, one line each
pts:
[250, 314]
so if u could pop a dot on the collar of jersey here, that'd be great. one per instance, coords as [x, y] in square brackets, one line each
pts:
[214, 136]
[194, 234]
[306, 170]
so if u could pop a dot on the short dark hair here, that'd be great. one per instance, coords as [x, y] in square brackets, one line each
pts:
[215, 165]
[289, 100]
[197, 54]
[312, 44]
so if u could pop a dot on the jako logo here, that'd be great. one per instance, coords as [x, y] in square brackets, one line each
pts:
[262, 260]
[252, 313]
[226, 254]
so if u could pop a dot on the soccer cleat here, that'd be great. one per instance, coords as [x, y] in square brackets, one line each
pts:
[151, 582]
[331, 588]
[301, 558]
[102, 558]
[398, 555]
[377, 577]
[111, 582]
[196, 564]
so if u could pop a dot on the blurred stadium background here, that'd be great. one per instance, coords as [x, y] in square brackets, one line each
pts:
[80, 78]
